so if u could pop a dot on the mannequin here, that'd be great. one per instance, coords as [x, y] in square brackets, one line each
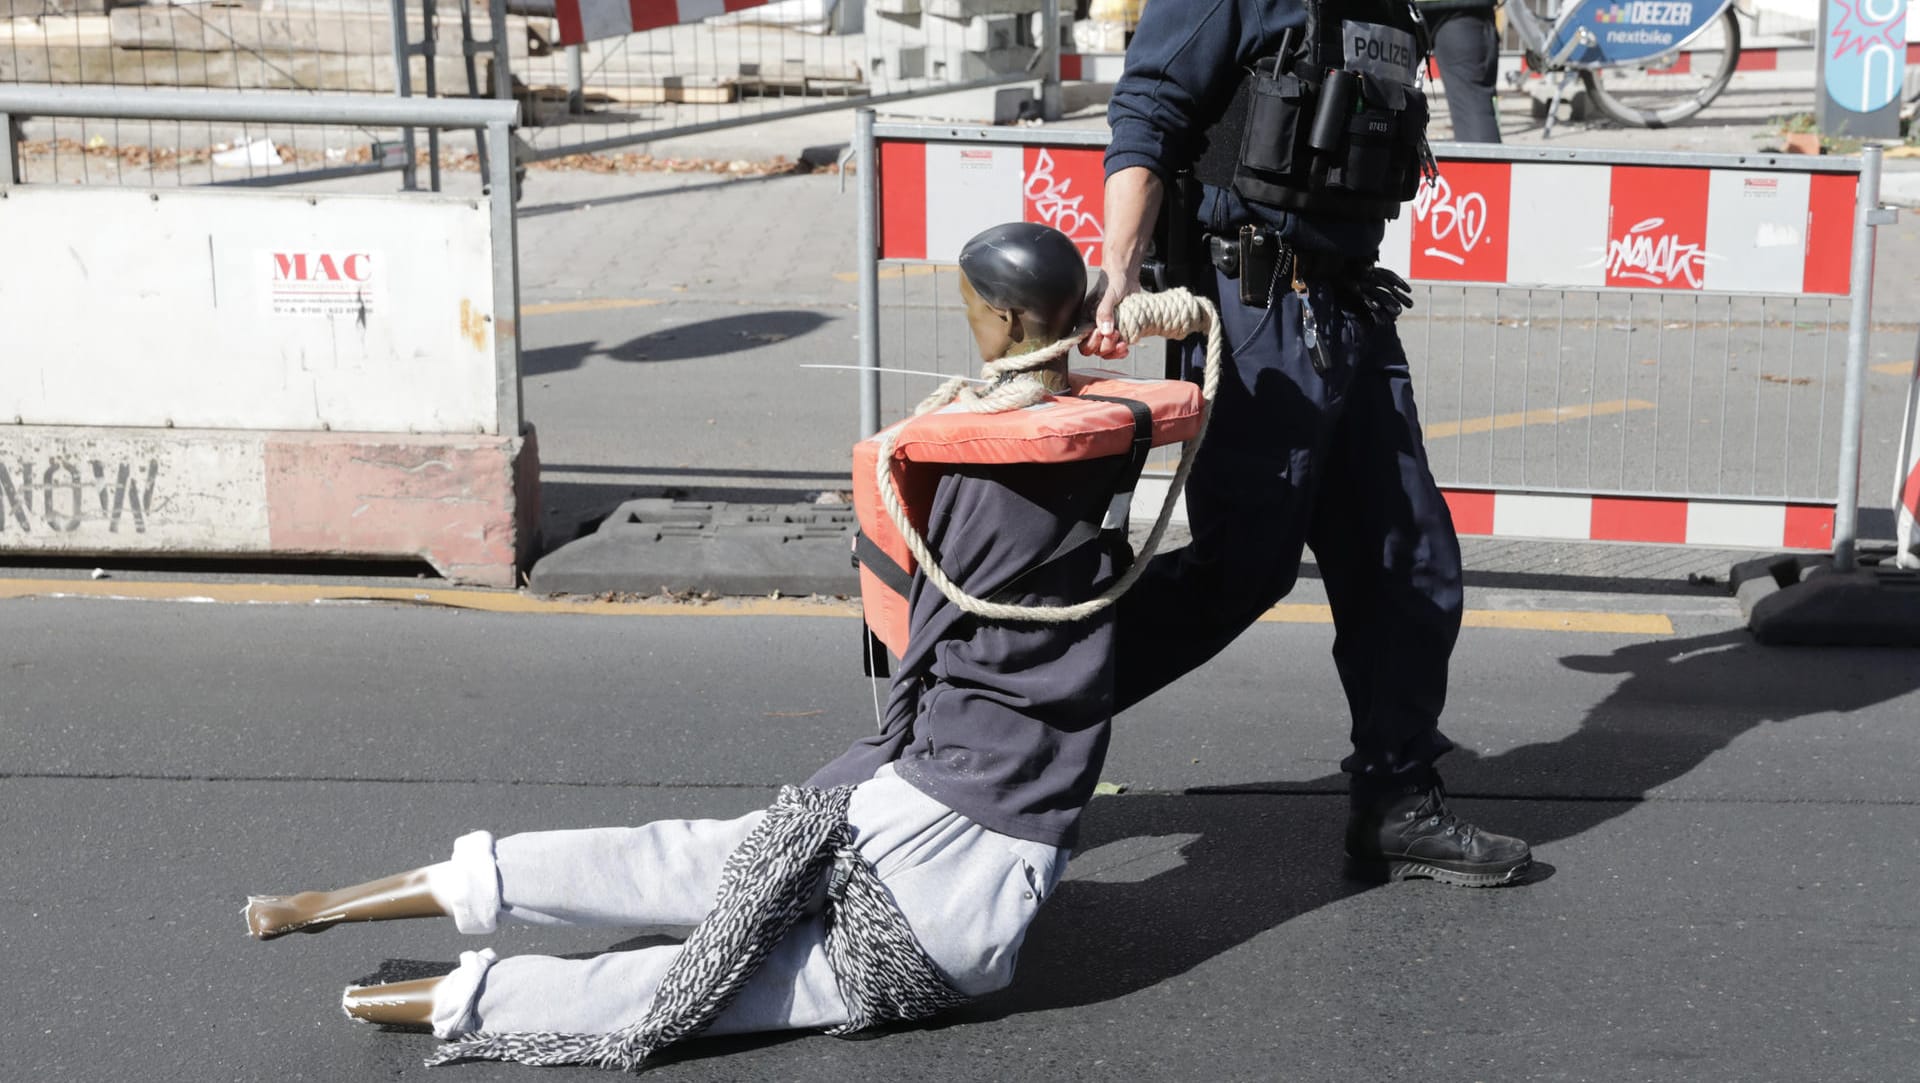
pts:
[962, 809]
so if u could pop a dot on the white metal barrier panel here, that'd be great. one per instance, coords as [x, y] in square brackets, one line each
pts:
[247, 310]
[195, 371]
[1610, 347]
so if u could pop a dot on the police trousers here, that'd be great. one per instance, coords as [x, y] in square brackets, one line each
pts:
[1292, 459]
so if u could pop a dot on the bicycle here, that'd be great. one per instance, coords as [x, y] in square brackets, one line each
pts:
[1644, 63]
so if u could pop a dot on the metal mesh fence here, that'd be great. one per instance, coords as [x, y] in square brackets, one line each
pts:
[280, 46]
[1628, 392]
[780, 59]
[1711, 395]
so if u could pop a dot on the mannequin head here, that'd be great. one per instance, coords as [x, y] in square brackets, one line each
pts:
[1025, 285]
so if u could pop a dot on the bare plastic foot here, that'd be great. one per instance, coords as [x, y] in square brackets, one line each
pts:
[270, 917]
[398, 1004]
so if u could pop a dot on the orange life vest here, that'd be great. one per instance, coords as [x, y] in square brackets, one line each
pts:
[1108, 414]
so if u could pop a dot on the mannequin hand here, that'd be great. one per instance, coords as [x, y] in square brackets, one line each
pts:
[1378, 293]
[1105, 340]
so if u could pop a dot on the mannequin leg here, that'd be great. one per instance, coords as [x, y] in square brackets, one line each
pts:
[395, 1004]
[405, 895]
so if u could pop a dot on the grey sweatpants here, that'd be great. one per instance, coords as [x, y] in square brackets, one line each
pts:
[967, 892]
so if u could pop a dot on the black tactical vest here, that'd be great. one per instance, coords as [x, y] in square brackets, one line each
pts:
[1333, 124]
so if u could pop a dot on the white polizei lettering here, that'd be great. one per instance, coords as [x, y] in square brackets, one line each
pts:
[1463, 220]
[1380, 51]
[1058, 206]
[1656, 260]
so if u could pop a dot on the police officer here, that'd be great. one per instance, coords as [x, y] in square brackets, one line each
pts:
[1314, 439]
[1466, 45]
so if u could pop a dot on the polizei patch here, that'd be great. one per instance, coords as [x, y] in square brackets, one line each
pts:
[1381, 51]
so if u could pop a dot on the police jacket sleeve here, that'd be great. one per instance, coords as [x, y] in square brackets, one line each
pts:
[1182, 67]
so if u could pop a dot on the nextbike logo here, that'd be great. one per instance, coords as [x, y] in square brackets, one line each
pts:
[1646, 13]
[1639, 35]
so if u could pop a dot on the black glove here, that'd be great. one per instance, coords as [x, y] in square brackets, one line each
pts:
[1375, 292]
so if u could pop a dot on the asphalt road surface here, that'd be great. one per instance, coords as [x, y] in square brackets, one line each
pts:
[1728, 835]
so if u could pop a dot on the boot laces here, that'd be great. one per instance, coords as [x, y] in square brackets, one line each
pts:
[1438, 817]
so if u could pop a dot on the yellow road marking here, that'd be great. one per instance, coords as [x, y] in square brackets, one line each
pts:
[556, 308]
[490, 601]
[500, 601]
[1549, 415]
[1893, 368]
[899, 270]
[1529, 620]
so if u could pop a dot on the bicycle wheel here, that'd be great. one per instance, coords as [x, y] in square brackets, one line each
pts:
[1673, 86]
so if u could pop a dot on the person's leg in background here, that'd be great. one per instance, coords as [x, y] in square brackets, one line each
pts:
[1467, 48]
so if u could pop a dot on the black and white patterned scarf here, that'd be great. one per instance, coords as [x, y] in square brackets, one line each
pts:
[882, 971]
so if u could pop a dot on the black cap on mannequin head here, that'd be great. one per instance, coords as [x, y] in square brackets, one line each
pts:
[1029, 268]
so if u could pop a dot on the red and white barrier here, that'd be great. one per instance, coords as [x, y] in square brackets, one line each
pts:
[1906, 490]
[1543, 223]
[1092, 67]
[582, 21]
[933, 196]
[1561, 225]
[1646, 520]
[1557, 221]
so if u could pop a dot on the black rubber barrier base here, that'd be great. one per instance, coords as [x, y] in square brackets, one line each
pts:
[650, 546]
[1798, 599]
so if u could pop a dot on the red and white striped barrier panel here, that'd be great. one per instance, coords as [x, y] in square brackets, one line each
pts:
[1567, 225]
[1792, 58]
[1517, 223]
[1906, 496]
[582, 21]
[1768, 526]
[1642, 519]
[1522, 223]
[1092, 67]
[934, 196]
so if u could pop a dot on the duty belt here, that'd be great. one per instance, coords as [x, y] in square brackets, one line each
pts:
[1262, 249]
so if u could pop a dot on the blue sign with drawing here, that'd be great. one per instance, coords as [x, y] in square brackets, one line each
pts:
[1866, 52]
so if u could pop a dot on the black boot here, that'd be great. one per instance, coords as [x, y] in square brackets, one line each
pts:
[1406, 832]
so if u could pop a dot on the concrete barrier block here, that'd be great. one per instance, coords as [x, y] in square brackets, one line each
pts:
[650, 545]
[466, 504]
[1799, 600]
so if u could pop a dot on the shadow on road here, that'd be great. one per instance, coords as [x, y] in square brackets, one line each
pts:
[1164, 883]
[1216, 867]
[685, 342]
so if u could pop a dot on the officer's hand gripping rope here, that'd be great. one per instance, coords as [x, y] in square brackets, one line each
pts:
[1174, 314]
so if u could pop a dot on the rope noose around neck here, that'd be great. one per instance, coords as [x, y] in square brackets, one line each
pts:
[1173, 314]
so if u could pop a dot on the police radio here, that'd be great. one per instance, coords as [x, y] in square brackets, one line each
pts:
[1334, 123]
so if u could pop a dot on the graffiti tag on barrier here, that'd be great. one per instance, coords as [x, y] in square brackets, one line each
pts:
[1055, 203]
[1658, 260]
[1866, 52]
[68, 490]
[1461, 219]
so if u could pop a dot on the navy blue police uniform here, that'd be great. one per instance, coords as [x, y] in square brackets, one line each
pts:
[1315, 441]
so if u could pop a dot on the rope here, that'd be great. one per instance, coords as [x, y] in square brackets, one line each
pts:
[1174, 314]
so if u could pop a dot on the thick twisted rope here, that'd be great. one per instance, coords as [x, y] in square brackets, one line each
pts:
[1174, 314]
[883, 972]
